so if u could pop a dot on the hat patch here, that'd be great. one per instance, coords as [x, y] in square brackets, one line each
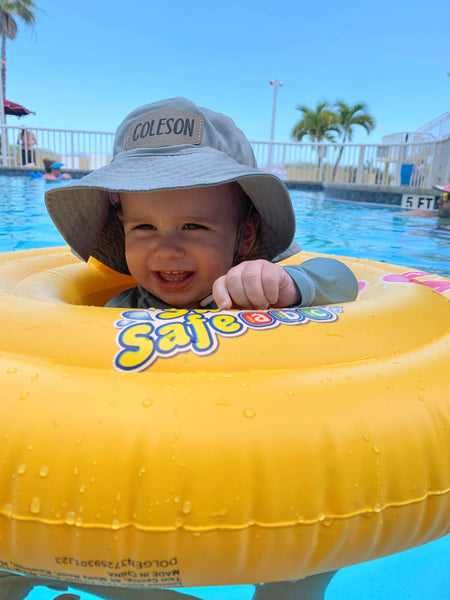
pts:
[166, 127]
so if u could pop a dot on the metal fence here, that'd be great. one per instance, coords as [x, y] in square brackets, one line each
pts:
[419, 164]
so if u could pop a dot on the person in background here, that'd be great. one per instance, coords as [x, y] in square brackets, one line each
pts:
[443, 202]
[418, 176]
[27, 141]
[443, 223]
[53, 170]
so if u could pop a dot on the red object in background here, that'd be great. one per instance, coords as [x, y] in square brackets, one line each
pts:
[11, 108]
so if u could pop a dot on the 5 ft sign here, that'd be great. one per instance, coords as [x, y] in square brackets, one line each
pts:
[411, 201]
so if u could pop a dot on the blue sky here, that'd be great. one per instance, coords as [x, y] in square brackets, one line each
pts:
[90, 62]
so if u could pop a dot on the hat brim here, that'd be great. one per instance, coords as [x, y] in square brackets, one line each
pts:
[84, 216]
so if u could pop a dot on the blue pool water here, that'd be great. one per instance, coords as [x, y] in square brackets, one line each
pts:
[333, 227]
[378, 233]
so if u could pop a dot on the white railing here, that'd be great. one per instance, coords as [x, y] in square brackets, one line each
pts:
[419, 164]
[416, 164]
[78, 150]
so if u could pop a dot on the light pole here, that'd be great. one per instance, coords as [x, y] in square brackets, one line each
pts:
[276, 84]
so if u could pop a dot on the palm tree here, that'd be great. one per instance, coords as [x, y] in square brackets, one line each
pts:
[348, 117]
[8, 26]
[318, 124]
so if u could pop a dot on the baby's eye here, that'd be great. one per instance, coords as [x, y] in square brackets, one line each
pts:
[190, 226]
[145, 226]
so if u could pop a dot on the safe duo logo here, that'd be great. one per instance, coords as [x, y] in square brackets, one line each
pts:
[146, 335]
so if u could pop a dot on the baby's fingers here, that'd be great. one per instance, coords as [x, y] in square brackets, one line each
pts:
[221, 295]
[261, 290]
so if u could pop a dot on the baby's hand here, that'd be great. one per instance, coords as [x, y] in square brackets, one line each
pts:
[257, 284]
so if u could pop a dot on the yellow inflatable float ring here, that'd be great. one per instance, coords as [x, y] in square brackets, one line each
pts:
[185, 448]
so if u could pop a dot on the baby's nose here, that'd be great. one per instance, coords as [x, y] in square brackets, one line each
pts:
[168, 245]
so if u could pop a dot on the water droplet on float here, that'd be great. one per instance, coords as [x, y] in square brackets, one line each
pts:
[21, 469]
[82, 489]
[43, 471]
[24, 395]
[35, 506]
[376, 449]
[365, 438]
[222, 403]
[249, 413]
[147, 402]
[34, 377]
[378, 508]
[11, 370]
[178, 522]
[187, 507]
[421, 398]
[70, 518]
[301, 519]
[115, 524]
[327, 522]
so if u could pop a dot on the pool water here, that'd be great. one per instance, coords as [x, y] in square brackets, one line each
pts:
[381, 233]
[333, 227]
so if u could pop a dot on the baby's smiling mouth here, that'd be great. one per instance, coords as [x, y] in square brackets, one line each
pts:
[173, 276]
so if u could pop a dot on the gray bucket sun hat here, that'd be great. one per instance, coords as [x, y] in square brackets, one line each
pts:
[171, 144]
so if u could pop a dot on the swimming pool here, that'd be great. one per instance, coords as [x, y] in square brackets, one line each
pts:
[333, 227]
[322, 226]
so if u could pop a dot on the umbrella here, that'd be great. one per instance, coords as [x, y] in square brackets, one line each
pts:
[11, 108]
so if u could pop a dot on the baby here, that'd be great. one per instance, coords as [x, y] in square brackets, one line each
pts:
[183, 208]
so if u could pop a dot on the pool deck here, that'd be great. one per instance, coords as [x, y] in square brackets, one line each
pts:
[370, 194]
[350, 192]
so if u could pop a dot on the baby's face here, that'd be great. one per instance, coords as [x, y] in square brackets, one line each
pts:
[178, 242]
